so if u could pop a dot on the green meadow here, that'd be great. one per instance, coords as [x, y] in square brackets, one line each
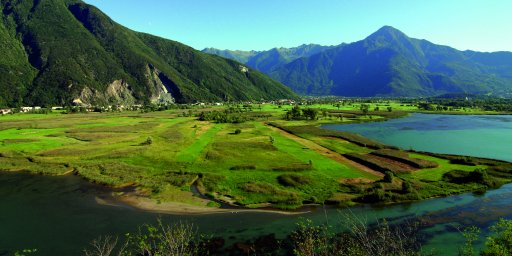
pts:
[172, 156]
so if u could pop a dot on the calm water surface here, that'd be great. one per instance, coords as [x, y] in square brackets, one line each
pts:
[474, 135]
[61, 215]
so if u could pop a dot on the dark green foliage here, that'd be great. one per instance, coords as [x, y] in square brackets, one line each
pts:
[243, 167]
[388, 177]
[407, 187]
[237, 131]
[148, 141]
[472, 161]
[178, 179]
[477, 176]
[208, 182]
[281, 198]
[392, 64]
[226, 116]
[500, 242]
[296, 113]
[463, 160]
[55, 51]
[376, 195]
[470, 234]
[292, 180]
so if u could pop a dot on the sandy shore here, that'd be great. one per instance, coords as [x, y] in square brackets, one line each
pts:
[150, 205]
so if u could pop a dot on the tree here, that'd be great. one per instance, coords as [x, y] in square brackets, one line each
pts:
[295, 112]
[310, 113]
[364, 108]
[500, 242]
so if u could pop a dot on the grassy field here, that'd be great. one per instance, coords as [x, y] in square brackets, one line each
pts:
[169, 154]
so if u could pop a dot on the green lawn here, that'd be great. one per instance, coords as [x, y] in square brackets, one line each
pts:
[436, 174]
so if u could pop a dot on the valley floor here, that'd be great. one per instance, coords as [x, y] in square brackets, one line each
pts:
[169, 161]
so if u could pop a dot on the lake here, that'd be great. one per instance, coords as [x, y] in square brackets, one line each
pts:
[61, 215]
[487, 136]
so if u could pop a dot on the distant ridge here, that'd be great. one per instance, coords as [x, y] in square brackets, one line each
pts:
[266, 61]
[60, 52]
[389, 63]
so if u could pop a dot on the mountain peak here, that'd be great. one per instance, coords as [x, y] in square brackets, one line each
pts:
[388, 32]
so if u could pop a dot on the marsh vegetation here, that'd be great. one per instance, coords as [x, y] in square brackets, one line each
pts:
[239, 155]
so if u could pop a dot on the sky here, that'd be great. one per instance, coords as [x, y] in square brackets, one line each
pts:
[481, 25]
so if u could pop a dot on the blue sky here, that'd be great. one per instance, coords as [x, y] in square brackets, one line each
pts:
[482, 25]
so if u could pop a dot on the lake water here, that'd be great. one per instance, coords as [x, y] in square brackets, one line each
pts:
[61, 215]
[487, 136]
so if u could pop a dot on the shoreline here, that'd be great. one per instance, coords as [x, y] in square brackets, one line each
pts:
[179, 208]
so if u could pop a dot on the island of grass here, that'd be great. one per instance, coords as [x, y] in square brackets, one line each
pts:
[253, 156]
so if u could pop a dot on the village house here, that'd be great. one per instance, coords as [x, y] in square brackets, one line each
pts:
[5, 111]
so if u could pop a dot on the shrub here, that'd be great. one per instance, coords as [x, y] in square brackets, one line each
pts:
[148, 141]
[160, 239]
[463, 161]
[388, 177]
[407, 187]
[500, 242]
[213, 204]
[243, 167]
[292, 180]
[238, 131]
[479, 176]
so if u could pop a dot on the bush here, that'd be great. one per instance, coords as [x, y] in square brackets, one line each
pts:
[500, 242]
[213, 204]
[388, 177]
[238, 131]
[243, 167]
[292, 180]
[148, 141]
[463, 161]
[407, 187]
[479, 176]
[160, 239]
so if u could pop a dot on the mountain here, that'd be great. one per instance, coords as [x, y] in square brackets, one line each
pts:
[266, 61]
[55, 52]
[389, 63]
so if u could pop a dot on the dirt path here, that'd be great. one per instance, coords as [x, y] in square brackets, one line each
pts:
[326, 152]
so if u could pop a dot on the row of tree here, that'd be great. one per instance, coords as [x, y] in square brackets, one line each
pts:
[296, 113]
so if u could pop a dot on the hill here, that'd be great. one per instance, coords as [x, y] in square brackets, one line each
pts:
[63, 51]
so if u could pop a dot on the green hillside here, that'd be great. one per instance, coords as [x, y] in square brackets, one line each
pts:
[60, 51]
